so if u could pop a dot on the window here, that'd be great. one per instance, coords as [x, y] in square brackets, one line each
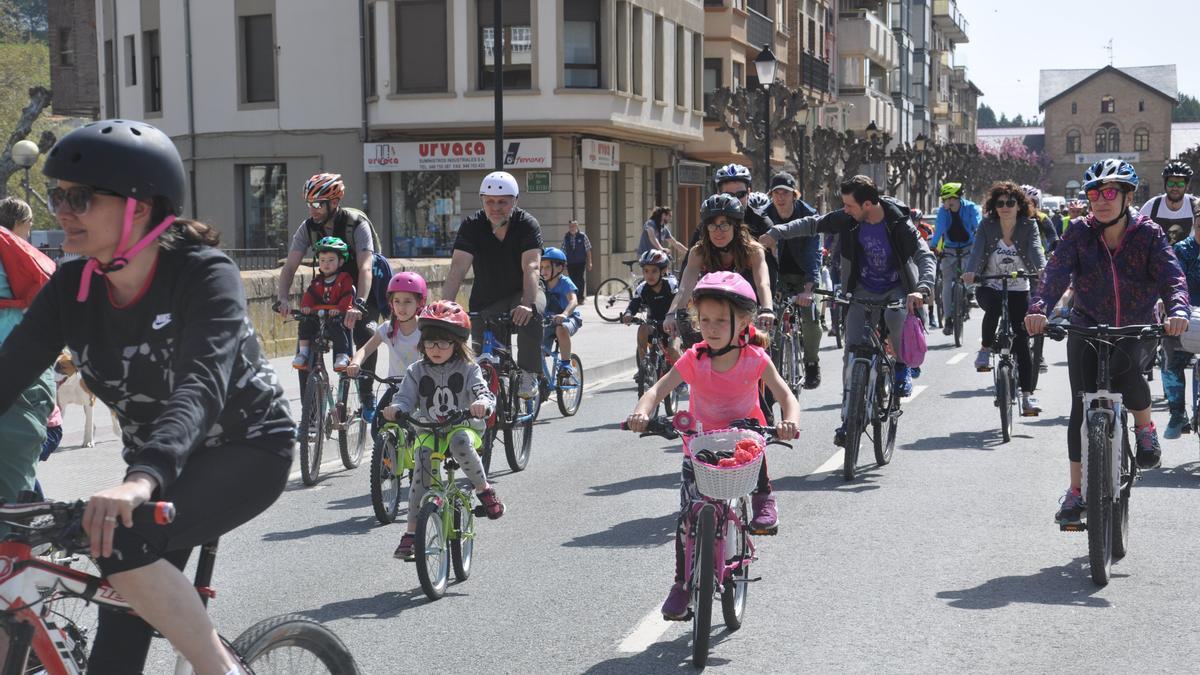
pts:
[130, 61]
[421, 63]
[110, 81]
[1108, 138]
[698, 78]
[712, 81]
[1141, 140]
[739, 76]
[639, 67]
[1074, 108]
[660, 66]
[1074, 142]
[1108, 104]
[66, 54]
[153, 79]
[622, 46]
[258, 58]
[812, 36]
[581, 44]
[426, 208]
[264, 205]
[516, 61]
[680, 66]
[1142, 106]
[372, 62]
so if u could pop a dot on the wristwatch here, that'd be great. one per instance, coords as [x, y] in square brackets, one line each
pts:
[360, 305]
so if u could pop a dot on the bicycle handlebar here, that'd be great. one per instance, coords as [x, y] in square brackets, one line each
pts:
[1018, 274]
[664, 427]
[365, 375]
[67, 517]
[1151, 331]
[849, 299]
[454, 418]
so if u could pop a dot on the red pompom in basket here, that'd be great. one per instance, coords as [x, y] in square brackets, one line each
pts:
[726, 482]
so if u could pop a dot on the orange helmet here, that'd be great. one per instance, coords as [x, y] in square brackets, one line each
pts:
[324, 187]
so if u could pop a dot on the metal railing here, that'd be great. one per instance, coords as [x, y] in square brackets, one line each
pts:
[256, 258]
[814, 73]
[760, 30]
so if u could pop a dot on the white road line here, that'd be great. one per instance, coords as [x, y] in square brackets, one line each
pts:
[648, 631]
[917, 389]
[956, 358]
[834, 463]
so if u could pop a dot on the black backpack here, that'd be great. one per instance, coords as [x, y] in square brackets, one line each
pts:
[381, 269]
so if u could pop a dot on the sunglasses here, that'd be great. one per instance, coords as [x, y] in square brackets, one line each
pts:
[316, 205]
[78, 199]
[1006, 203]
[1177, 183]
[438, 344]
[741, 194]
[1108, 193]
[948, 199]
[719, 227]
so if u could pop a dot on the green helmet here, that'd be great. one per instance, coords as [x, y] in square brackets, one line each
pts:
[333, 244]
[951, 190]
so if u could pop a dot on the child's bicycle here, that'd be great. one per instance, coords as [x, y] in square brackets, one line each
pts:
[514, 416]
[655, 365]
[564, 379]
[44, 640]
[718, 549]
[392, 463]
[321, 414]
[446, 516]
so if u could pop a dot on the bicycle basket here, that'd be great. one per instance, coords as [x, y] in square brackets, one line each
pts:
[716, 482]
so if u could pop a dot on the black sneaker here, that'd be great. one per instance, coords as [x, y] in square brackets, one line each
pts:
[839, 436]
[1072, 509]
[1149, 452]
[948, 326]
[812, 375]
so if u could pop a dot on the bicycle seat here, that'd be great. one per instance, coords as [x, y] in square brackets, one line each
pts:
[630, 264]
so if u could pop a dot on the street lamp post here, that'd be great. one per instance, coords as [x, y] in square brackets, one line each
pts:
[919, 147]
[25, 154]
[873, 139]
[765, 64]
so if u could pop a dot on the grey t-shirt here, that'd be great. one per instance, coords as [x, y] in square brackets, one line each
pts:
[358, 229]
[663, 232]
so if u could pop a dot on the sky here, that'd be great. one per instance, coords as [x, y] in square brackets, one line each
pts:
[1012, 40]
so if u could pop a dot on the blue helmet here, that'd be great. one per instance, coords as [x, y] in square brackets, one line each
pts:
[1110, 171]
[554, 254]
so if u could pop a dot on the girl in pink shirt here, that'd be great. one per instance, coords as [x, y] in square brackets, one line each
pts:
[723, 372]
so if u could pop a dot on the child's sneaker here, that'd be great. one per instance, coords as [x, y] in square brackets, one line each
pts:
[301, 361]
[675, 607]
[493, 508]
[341, 363]
[983, 360]
[1149, 453]
[405, 550]
[1072, 509]
[766, 518]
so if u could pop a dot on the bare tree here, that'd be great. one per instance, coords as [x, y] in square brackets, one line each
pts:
[39, 98]
[740, 114]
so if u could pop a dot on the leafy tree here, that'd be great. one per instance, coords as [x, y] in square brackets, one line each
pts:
[1018, 121]
[1004, 121]
[986, 117]
[1188, 109]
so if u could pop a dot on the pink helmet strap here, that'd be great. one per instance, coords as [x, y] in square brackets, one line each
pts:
[121, 256]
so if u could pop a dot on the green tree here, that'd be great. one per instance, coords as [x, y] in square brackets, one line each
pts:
[986, 117]
[1188, 109]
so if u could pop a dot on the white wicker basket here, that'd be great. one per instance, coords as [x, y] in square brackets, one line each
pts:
[716, 482]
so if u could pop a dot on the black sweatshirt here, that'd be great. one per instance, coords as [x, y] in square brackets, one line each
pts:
[180, 365]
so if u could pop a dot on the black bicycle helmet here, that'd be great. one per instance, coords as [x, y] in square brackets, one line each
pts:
[722, 204]
[1177, 168]
[128, 157]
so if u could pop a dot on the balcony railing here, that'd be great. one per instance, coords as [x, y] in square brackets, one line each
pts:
[814, 73]
[947, 17]
[760, 30]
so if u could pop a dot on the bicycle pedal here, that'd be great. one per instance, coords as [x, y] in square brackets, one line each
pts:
[763, 532]
[1073, 527]
[984, 370]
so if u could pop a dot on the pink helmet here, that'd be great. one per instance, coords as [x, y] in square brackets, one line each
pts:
[409, 282]
[729, 286]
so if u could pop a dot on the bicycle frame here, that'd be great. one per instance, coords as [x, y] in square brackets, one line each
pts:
[499, 355]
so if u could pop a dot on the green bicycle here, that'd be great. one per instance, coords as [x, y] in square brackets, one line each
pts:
[446, 516]
[392, 462]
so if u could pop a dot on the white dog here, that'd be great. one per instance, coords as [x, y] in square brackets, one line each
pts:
[72, 391]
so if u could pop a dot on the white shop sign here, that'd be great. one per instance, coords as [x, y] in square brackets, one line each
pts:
[600, 155]
[519, 153]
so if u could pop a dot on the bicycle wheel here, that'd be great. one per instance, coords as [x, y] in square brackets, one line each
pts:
[611, 298]
[387, 478]
[856, 416]
[1004, 400]
[432, 554]
[737, 552]
[312, 429]
[791, 366]
[518, 434]
[883, 427]
[702, 586]
[671, 402]
[1039, 343]
[73, 614]
[462, 544]
[960, 312]
[1120, 537]
[1099, 497]
[292, 643]
[570, 388]
[352, 428]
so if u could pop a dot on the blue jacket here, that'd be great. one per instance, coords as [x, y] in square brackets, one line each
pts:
[805, 252]
[1188, 252]
[970, 218]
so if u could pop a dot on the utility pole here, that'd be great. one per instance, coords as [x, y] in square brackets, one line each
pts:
[498, 79]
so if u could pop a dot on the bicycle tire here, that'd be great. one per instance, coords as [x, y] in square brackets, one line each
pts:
[1099, 498]
[259, 645]
[387, 480]
[958, 297]
[312, 430]
[492, 378]
[570, 393]
[432, 554]
[791, 365]
[611, 298]
[856, 410]
[462, 544]
[737, 583]
[353, 428]
[1039, 342]
[702, 586]
[1004, 400]
[883, 428]
[1120, 538]
[670, 403]
[518, 435]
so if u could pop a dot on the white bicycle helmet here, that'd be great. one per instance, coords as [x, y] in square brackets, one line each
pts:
[1034, 194]
[1110, 171]
[732, 172]
[499, 184]
[758, 202]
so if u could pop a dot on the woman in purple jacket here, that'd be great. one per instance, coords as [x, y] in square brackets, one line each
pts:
[1119, 264]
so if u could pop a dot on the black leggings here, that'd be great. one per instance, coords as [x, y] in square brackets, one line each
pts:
[1125, 366]
[219, 490]
[1018, 303]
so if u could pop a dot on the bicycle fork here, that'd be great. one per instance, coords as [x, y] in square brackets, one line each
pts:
[1104, 404]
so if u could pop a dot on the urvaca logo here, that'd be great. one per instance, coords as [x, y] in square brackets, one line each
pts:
[384, 155]
[510, 157]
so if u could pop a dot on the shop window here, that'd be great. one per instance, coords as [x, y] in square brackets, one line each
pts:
[421, 63]
[264, 206]
[516, 61]
[425, 208]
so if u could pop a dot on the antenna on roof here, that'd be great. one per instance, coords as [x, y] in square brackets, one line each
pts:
[1109, 48]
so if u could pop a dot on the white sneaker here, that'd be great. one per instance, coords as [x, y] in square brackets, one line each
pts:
[301, 361]
[341, 363]
[528, 386]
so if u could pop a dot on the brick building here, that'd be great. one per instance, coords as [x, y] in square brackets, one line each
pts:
[74, 70]
[1093, 114]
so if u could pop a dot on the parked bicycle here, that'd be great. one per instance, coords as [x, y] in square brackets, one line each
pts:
[871, 397]
[718, 547]
[446, 516]
[44, 640]
[655, 365]
[322, 414]
[563, 379]
[392, 463]
[1109, 467]
[1004, 369]
[514, 416]
[613, 294]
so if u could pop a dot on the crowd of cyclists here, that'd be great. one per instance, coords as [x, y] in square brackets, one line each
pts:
[154, 316]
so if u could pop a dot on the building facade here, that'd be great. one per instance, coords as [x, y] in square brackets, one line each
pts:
[1093, 114]
[73, 57]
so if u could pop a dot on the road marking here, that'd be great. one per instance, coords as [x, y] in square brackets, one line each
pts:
[327, 467]
[917, 389]
[834, 463]
[648, 631]
[956, 358]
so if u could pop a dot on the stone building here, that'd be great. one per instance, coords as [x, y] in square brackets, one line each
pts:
[1092, 114]
[73, 57]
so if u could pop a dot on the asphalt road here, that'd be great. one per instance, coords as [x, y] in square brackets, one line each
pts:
[945, 560]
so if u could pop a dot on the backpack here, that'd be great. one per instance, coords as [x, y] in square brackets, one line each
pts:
[381, 269]
[27, 269]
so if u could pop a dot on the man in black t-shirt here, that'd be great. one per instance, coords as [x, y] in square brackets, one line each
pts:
[502, 244]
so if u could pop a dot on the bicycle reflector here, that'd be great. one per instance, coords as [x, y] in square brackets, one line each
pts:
[164, 513]
[684, 421]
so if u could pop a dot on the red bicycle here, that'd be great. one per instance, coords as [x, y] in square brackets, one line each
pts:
[38, 583]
